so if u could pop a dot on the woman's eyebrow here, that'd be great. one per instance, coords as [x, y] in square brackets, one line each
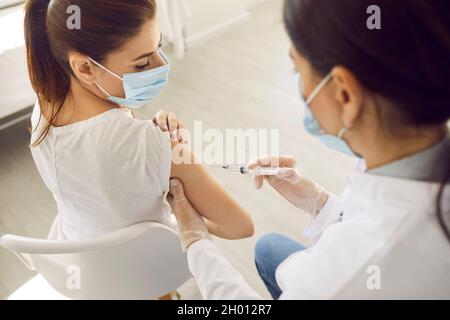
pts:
[149, 53]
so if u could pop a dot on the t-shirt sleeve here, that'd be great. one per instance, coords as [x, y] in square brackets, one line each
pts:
[159, 158]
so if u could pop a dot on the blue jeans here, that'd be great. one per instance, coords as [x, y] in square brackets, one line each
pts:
[270, 251]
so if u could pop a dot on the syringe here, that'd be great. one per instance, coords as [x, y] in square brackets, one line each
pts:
[260, 171]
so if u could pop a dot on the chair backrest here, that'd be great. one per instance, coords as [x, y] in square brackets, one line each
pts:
[143, 261]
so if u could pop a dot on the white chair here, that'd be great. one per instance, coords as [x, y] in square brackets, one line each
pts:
[143, 261]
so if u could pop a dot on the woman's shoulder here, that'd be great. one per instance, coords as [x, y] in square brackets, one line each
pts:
[112, 132]
[122, 126]
[135, 148]
[113, 115]
[119, 133]
[114, 125]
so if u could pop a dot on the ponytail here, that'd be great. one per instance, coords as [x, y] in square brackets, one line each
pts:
[48, 79]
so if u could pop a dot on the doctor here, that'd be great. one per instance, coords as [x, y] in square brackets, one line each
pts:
[382, 95]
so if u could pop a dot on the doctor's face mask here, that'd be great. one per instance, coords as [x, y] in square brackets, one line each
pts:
[313, 127]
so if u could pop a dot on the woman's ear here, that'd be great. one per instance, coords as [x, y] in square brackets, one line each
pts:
[82, 68]
[349, 94]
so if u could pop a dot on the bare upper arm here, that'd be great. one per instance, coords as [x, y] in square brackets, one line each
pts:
[208, 197]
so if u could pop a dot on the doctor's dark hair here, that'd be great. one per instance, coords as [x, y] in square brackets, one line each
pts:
[106, 25]
[407, 61]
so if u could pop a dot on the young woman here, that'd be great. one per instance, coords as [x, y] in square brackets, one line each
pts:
[383, 95]
[106, 169]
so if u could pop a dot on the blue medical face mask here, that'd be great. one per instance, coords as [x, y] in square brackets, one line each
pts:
[313, 126]
[140, 87]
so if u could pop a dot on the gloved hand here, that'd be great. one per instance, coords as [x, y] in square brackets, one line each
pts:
[191, 225]
[169, 122]
[297, 189]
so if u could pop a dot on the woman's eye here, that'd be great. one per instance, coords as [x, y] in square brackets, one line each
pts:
[143, 66]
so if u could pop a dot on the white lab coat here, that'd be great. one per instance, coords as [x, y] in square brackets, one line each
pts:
[387, 245]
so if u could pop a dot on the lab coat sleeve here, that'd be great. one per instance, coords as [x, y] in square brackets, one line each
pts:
[215, 276]
[329, 215]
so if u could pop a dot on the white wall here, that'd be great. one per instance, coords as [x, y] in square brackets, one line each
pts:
[211, 17]
[252, 3]
[4, 3]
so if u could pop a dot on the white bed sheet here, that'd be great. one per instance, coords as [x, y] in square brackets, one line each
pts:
[16, 93]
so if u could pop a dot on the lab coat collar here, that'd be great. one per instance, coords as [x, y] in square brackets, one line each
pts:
[390, 190]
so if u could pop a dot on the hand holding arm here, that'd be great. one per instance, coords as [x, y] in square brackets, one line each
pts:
[215, 276]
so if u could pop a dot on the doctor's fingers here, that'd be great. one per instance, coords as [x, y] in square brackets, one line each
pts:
[270, 161]
[259, 181]
[187, 216]
[176, 191]
[182, 134]
[173, 124]
[169, 122]
[176, 128]
[272, 180]
[180, 205]
[160, 119]
[273, 161]
[290, 175]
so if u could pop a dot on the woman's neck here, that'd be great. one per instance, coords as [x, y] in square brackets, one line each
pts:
[390, 149]
[81, 104]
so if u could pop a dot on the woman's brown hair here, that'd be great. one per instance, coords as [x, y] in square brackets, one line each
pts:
[106, 25]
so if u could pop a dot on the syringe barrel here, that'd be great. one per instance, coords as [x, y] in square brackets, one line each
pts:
[262, 171]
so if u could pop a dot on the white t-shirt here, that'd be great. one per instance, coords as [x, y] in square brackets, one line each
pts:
[105, 173]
